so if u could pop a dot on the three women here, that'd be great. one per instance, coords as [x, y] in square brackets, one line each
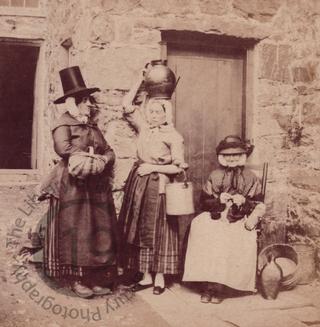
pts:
[82, 237]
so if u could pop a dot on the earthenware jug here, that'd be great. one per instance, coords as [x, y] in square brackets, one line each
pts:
[159, 80]
[287, 259]
[270, 279]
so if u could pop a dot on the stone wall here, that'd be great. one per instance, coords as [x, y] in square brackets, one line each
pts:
[113, 39]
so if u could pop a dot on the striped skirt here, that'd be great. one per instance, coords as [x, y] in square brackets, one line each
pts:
[52, 265]
[164, 256]
[51, 261]
[154, 247]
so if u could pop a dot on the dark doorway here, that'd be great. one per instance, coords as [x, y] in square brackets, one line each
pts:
[17, 77]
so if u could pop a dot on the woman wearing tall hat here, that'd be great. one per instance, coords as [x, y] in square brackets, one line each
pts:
[81, 237]
[222, 244]
[150, 238]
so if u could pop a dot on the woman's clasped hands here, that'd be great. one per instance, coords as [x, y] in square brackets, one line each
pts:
[237, 199]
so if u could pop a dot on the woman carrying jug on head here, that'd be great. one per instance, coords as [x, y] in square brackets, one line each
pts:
[149, 237]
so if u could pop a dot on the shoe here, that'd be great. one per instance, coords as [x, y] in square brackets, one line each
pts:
[205, 298]
[157, 290]
[138, 287]
[81, 290]
[98, 290]
[215, 300]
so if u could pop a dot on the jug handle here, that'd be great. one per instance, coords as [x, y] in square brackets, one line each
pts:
[175, 85]
[147, 65]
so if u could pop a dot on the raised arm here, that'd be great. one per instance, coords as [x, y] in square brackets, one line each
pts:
[132, 112]
[127, 100]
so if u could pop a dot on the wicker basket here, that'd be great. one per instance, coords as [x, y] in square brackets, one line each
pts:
[82, 164]
[306, 271]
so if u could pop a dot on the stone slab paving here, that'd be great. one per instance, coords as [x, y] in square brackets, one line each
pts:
[311, 290]
[309, 315]
[18, 310]
[285, 300]
[178, 312]
[181, 306]
[262, 318]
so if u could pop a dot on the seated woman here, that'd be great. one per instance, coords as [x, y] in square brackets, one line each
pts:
[149, 239]
[222, 248]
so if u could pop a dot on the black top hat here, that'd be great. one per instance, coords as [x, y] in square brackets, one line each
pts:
[233, 144]
[73, 84]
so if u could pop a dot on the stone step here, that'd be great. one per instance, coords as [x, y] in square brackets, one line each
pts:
[178, 313]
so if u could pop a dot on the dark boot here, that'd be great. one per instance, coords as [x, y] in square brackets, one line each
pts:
[205, 294]
[215, 291]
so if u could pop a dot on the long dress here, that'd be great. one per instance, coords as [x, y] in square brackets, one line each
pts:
[149, 238]
[218, 250]
[81, 232]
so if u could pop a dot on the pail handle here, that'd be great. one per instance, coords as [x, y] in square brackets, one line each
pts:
[185, 179]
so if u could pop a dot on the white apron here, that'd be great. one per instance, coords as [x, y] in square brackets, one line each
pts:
[221, 252]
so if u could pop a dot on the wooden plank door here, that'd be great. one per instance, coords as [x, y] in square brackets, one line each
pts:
[208, 104]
